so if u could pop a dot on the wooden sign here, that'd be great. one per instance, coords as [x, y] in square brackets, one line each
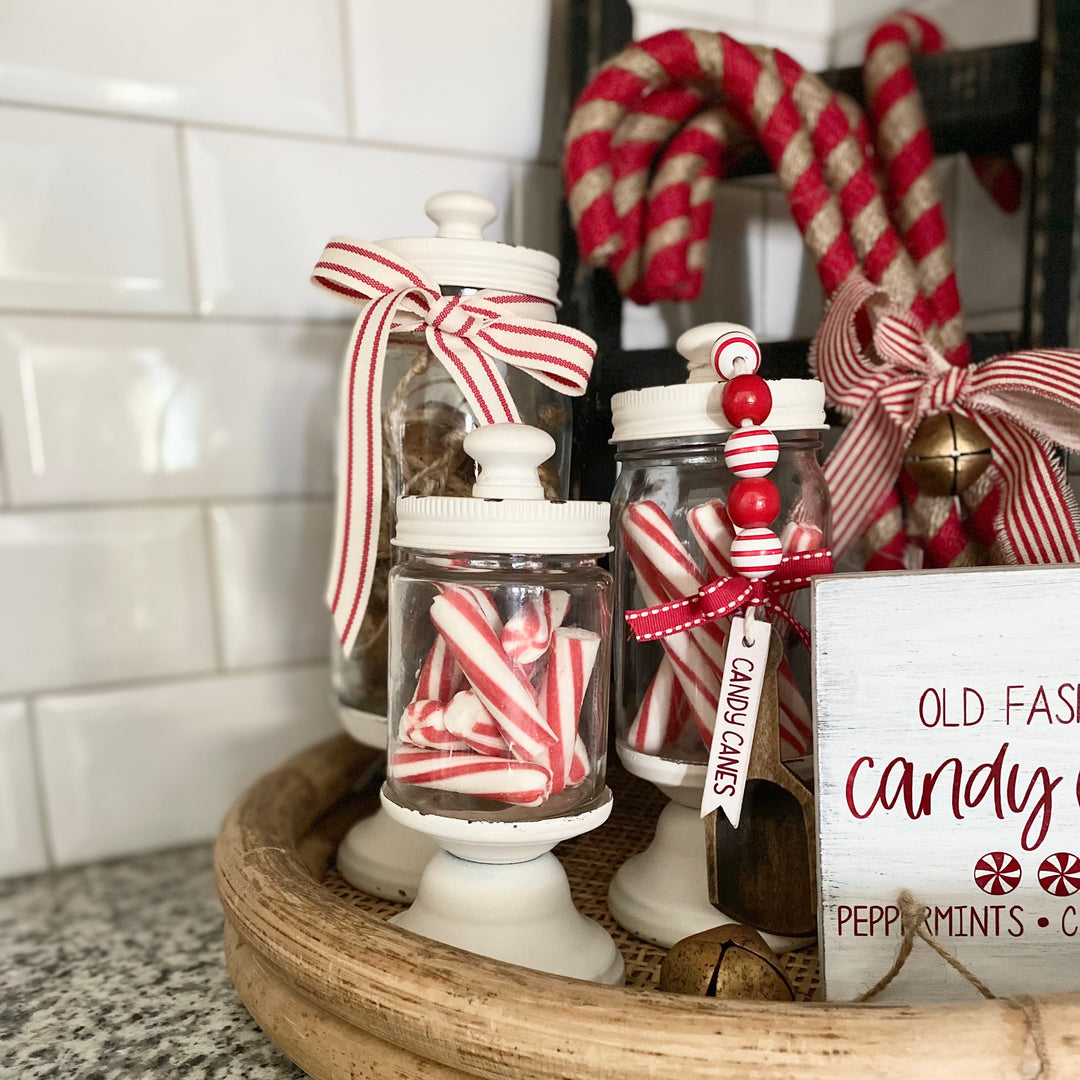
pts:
[947, 735]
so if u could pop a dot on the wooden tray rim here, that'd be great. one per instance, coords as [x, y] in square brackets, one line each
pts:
[486, 1018]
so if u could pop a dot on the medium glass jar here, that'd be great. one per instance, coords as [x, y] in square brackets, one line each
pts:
[425, 419]
[671, 530]
[499, 661]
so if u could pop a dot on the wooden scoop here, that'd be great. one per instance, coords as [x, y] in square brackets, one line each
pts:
[764, 873]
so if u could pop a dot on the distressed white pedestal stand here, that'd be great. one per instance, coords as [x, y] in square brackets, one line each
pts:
[496, 889]
[378, 856]
[662, 894]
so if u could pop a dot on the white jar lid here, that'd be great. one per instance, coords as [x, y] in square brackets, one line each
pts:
[502, 526]
[459, 255]
[666, 412]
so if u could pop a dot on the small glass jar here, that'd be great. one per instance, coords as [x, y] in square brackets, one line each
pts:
[499, 661]
[668, 510]
[425, 419]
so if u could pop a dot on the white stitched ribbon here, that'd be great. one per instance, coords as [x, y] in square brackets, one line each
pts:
[467, 334]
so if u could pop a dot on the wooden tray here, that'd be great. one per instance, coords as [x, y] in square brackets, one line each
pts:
[346, 995]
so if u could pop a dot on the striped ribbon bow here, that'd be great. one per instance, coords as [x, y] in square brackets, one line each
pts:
[725, 596]
[1023, 402]
[470, 335]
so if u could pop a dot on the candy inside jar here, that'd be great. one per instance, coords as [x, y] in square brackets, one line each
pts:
[499, 659]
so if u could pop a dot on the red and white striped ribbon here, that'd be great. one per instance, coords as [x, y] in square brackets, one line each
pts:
[1023, 401]
[470, 335]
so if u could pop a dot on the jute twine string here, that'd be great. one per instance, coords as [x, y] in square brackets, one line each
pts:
[913, 916]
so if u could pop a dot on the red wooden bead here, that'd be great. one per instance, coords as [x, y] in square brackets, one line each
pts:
[753, 503]
[746, 397]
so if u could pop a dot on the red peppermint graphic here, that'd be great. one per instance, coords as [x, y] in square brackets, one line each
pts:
[1059, 874]
[997, 873]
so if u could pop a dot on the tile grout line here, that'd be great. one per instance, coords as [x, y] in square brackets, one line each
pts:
[274, 133]
[216, 615]
[37, 760]
[187, 212]
[180, 502]
[149, 682]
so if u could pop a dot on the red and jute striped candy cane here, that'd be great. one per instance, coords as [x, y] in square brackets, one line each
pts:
[470, 336]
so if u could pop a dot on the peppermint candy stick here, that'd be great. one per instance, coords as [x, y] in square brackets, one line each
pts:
[423, 724]
[467, 719]
[499, 779]
[440, 676]
[712, 531]
[527, 633]
[691, 666]
[670, 573]
[498, 682]
[569, 669]
[660, 717]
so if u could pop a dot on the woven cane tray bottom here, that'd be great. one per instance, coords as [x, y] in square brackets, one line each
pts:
[590, 862]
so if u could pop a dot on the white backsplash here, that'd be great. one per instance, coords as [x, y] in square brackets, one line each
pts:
[168, 175]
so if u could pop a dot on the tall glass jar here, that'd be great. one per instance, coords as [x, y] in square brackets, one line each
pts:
[425, 418]
[669, 504]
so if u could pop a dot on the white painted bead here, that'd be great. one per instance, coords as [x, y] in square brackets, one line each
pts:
[756, 553]
[751, 451]
[733, 346]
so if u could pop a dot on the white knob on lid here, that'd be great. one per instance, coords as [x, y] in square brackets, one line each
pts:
[508, 456]
[461, 215]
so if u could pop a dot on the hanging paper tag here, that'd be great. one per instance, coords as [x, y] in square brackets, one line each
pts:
[736, 719]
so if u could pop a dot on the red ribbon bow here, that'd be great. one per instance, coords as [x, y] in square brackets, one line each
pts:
[470, 335]
[1022, 401]
[724, 596]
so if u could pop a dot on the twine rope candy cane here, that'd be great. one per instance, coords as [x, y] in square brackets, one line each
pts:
[470, 335]
[892, 333]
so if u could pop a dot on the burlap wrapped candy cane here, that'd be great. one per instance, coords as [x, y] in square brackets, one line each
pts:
[892, 326]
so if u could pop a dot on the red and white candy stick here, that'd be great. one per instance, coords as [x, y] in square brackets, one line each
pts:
[569, 669]
[423, 723]
[498, 681]
[712, 531]
[467, 719]
[440, 676]
[501, 779]
[660, 717]
[527, 633]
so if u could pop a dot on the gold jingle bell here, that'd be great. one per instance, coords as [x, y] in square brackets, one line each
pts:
[948, 454]
[730, 961]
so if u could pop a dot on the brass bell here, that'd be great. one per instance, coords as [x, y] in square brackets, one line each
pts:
[948, 454]
[730, 961]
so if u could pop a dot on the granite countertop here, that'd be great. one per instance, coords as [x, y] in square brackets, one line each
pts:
[117, 970]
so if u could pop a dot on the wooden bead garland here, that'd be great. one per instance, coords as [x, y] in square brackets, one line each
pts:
[751, 453]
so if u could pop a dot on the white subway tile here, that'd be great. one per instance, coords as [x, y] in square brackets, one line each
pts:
[863, 12]
[676, 14]
[22, 839]
[266, 63]
[989, 247]
[101, 410]
[969, 24]
[93, 596]
[270, 564]
[153, 766]
[92, 214]
[793, 301]
[815, 17]
[470, 82]
[264, 208]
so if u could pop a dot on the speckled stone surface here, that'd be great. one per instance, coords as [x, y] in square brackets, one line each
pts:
[117, 970]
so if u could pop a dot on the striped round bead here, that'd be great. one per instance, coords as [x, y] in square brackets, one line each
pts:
[751, 451]
[734, 353]
[756, 553]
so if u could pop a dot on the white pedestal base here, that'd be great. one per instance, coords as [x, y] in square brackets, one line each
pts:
[497, 890]
[382, 858]
[368, 729]
[521, 913]
[662, 894]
